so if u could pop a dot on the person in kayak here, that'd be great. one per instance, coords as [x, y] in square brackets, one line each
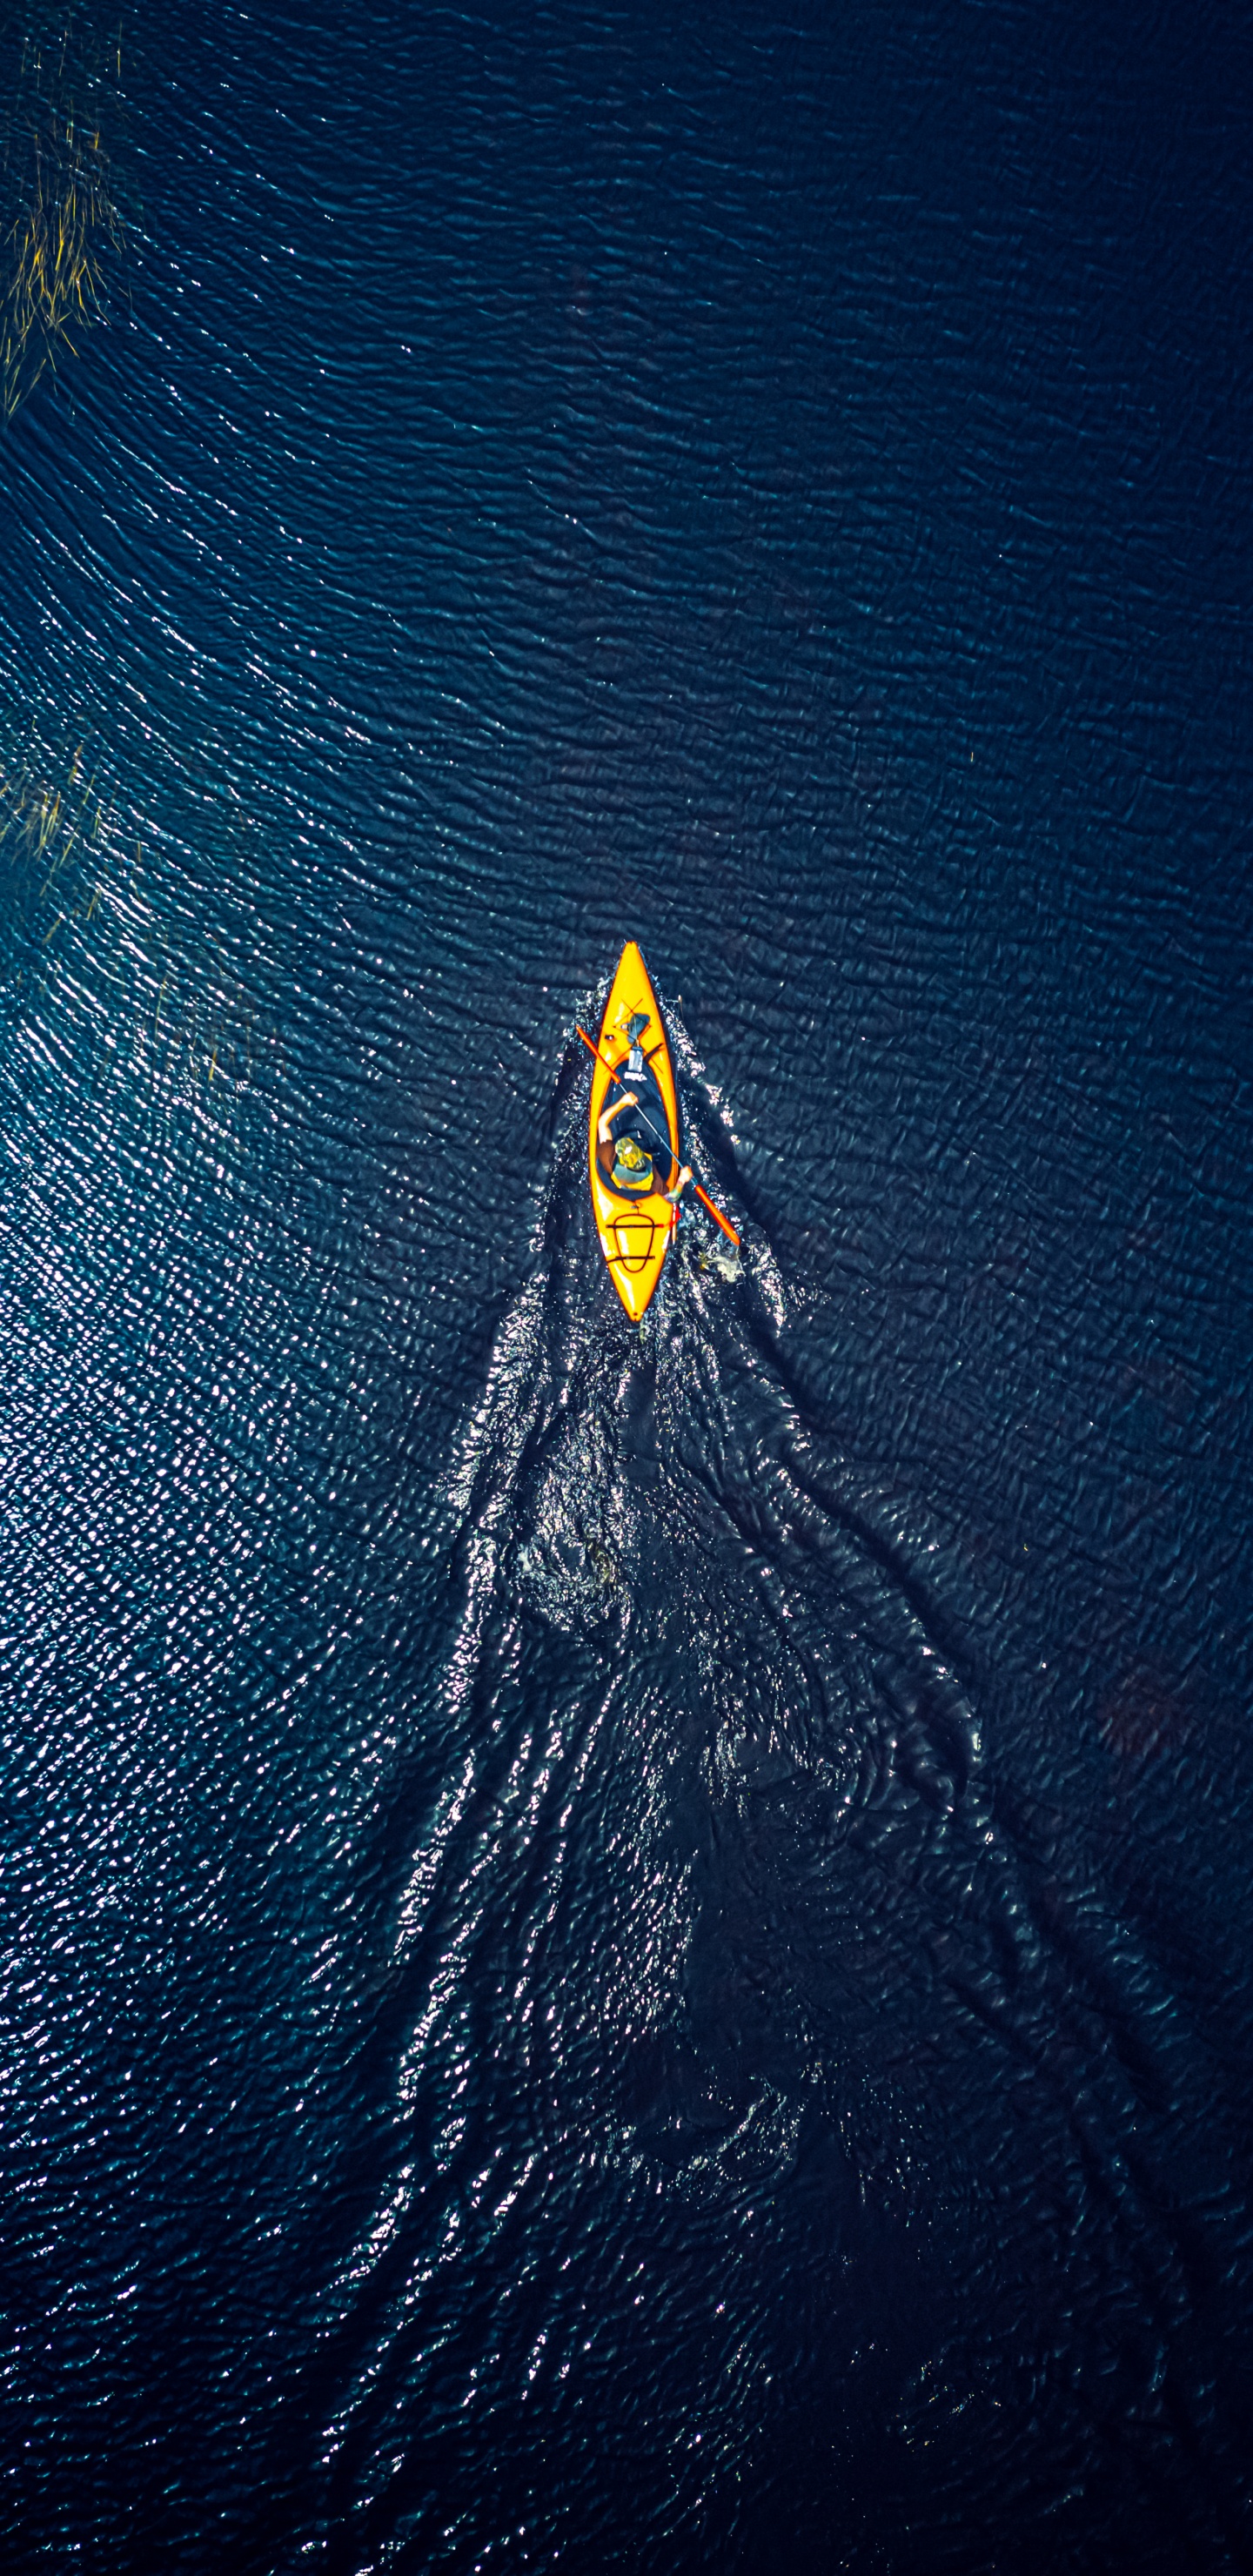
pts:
[633, 1168]
[636, 1064]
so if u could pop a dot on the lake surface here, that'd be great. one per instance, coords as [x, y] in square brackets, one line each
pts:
[632, 1952]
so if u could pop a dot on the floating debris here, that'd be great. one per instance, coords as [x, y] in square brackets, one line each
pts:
[724, 1258]
[604, 1566]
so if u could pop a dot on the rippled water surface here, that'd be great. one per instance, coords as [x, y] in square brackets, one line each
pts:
[631, 1951]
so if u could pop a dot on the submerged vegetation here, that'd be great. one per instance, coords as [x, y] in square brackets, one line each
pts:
[80, 877]
[141, 921]
[60, 228]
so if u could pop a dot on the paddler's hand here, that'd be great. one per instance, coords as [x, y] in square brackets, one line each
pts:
[676, 1193]
[605, 1123]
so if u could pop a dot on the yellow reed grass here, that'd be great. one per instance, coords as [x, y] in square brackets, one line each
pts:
[59, 224]
[55, 283]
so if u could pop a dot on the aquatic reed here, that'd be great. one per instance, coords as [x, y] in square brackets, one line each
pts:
[59, 221]
[56, 280]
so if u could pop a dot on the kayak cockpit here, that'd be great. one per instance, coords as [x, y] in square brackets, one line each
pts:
[641, 1125]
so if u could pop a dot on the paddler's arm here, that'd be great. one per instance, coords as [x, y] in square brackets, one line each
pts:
[628, 1101]
[676, 1193]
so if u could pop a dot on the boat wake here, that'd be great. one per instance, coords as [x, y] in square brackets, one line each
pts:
[717, 1977]
[665, 1957]
[766, 1732]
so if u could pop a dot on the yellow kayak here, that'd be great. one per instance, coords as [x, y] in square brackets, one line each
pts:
[633, 1135]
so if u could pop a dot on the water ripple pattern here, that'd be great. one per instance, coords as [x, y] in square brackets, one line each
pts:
[629, 1951]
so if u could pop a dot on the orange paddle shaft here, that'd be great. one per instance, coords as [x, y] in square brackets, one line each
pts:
[702, 1195]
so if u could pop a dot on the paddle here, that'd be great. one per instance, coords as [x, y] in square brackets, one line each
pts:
[663, 1141]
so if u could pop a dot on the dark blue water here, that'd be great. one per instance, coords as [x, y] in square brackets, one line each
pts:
[633, 1952]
